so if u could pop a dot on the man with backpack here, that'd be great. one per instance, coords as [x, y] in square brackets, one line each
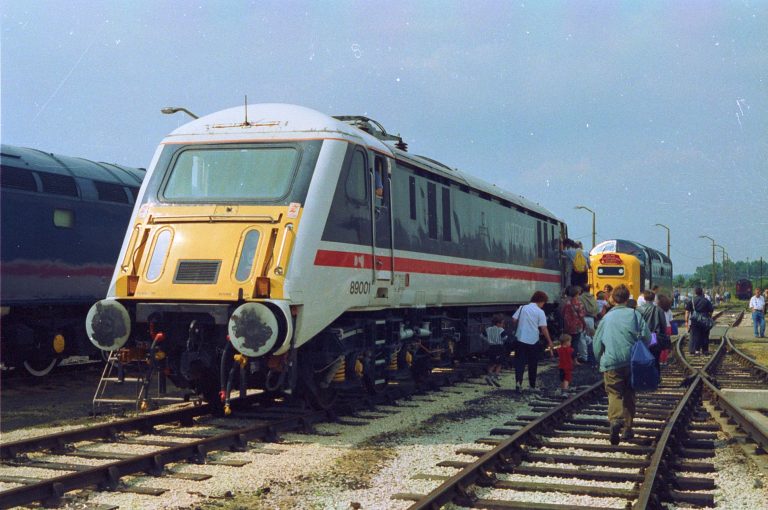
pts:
[579, 262]
[616, 335]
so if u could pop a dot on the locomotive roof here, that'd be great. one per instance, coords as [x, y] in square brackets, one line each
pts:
[295, 122]
[271, 119]
[39, 161]
[631, 247]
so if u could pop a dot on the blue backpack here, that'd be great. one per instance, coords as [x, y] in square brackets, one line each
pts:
[642, 365]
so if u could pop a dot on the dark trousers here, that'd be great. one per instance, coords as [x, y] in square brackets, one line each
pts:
[699, 340]
[579, 350]
[579, 279]
[526, 354]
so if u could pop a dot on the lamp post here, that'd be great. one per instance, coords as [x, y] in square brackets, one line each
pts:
[668, 245]
[170, 110]
[725, 276]
[713, 261]
[593, 222]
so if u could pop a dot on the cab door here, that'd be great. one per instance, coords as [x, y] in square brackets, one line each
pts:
[383, 256]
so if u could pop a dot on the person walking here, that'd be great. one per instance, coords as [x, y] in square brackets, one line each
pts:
[573, 313]
[496, 338]
[654, 317]
[565, 362]
[592, 310]
[757, 305]
[531, 322]
[613, 342]
[665, 303]
[698, 342]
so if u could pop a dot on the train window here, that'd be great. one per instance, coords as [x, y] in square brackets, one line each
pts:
[539, 240]
[356, 189]
[111, 192]
[58, 184]
[63, 218]
[134, 193]
[553, 239]
[239, 173]
[446, 214]
[247, 255]
[432, 209]
[157, 262]
[17, 178]
[412, 195]
[378, 171]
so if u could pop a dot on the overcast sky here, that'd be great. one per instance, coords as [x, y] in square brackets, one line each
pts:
[646, 112]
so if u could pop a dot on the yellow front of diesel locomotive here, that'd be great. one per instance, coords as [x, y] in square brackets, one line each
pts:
[615, 269]
[215, 253]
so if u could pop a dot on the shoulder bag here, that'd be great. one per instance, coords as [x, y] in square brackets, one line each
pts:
[699, 319]
[644, 375]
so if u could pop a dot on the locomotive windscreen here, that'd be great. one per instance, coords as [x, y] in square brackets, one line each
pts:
[253, 173]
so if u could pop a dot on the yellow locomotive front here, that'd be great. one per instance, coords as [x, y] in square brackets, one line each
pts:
[201, 275]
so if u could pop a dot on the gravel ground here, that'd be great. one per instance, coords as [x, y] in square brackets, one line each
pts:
[345, 466]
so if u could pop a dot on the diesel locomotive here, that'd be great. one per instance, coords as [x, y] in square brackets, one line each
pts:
[639, 267]
[305, 254]
[744, 289]
[63, 220]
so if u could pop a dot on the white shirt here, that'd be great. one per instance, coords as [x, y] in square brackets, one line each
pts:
[530, 318]
[640, 300]
[757, 303]
[494, 335]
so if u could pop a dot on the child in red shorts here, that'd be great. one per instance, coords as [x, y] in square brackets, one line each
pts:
[565, 364]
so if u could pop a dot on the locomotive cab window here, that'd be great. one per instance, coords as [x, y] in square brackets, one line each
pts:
[232, 174]
[356, 188]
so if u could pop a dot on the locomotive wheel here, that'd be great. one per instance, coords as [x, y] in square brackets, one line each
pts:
[40, 366]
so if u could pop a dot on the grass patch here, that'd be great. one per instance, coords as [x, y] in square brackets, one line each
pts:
[757, 349]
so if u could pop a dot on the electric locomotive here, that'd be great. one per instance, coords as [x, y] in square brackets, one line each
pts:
[637, 266]
[63, 220]
[305, 253]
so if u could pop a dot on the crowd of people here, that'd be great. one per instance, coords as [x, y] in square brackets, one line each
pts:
[599, 330]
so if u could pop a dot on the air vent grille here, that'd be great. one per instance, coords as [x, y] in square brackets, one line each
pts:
[197, 271]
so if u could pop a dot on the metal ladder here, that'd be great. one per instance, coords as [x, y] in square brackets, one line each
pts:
[118, 375]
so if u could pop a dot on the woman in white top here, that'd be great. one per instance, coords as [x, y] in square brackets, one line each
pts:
[530, 322]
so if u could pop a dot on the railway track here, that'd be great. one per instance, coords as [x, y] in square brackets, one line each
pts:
[563, 460]
[188, 435]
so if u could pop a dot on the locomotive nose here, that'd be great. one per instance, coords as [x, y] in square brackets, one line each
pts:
[108, 325]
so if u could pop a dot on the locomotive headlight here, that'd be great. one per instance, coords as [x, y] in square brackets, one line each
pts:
[108, 325]
[253, 329]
